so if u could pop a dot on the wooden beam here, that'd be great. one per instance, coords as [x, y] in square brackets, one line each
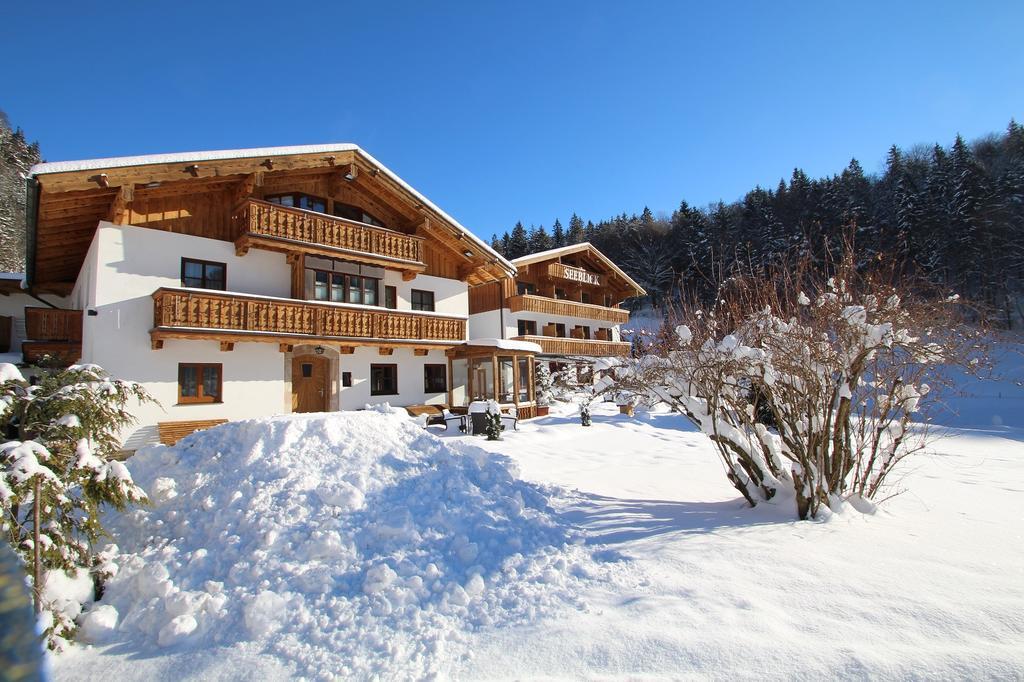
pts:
[226, 346]
[346, 350]
[285, 347]
[420, 351]
[351, 172]
[385, 351]
[119, 207]
[156, 344]
[408, 275]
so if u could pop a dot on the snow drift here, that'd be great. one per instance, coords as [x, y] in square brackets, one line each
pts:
[345, 544]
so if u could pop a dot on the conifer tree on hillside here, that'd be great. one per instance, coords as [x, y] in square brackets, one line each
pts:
[557, 235]
[539, 240]
[518, 243]
[575, 233]
[17, 156]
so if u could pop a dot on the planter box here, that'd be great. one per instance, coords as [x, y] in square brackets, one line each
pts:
[542, 411]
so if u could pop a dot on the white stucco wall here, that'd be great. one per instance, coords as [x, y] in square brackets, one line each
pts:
[410, 378]
[487, 325]
[512, 323]
[126, 264]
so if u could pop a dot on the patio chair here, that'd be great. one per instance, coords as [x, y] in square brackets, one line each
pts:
[511, 416]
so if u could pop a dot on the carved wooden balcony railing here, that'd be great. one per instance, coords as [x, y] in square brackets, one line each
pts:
[578, 347]
[184, 314]
[52, 332]
[551, 306]
[261, 224]
[574, 274]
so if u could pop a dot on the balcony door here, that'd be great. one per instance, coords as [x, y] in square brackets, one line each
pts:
[309, 383]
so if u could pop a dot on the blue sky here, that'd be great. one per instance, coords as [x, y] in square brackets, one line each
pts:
[522, 111]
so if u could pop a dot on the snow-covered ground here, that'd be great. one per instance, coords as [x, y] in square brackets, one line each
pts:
[620, 551]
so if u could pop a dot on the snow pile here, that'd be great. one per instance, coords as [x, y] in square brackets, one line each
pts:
[346, 544]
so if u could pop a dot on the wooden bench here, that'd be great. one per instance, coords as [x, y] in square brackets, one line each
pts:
[435, 413]
[172, 432]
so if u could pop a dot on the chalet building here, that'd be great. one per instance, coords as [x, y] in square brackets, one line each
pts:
[566, 300]
[243, 283]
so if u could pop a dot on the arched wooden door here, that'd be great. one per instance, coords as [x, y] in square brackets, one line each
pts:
[310, 389]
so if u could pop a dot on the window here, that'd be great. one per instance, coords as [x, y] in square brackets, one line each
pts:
[506, 379]
[607, 300]
[350, 212]
[346, 379]
[560, 294]
[307, 369]
[383, 379]
[299, 200]
[199, 383]
[524, 379]
[390, 298]
[559, 329]
[202, 274]
[435, 378]
[584, 297]
[527, 328]
[341, 288]
[525, 288]
[422, 300]
[581, 332]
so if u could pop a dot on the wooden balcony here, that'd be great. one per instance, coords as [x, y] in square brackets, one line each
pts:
[578, 347]
[552, 306]
[236, 317]
[261, 224]
[52, 332]
[574, 274]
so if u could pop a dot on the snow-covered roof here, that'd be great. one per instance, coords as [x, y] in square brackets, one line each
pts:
[576, 248]
[216, 155]
[507, 344]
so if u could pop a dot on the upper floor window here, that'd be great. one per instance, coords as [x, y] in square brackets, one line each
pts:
[342, 288]
[350, 212]
[202, 274]
[560, 294]
[584, 297]
[607, 300]
[299, 200]
[390, 297]
[527, 328]
[422, 300]
[525, 288]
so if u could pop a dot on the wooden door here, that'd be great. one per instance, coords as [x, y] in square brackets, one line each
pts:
[309, 383]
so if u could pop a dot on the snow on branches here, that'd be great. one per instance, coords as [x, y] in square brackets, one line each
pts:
[808, 388]
[58, 473]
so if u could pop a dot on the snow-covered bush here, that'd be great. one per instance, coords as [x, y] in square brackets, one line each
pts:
[543, 383]
[585, 414]
[493, 421]
[57, 475]
[809, 386]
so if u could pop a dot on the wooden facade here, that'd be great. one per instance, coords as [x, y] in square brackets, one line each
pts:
[260, 224]
[201, 198]
[578, 347]
[53, 333]
[551, 306]
[236, 317]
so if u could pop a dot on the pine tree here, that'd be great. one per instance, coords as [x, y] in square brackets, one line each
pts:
[557, 235]
[518, 243]
[59, 473]
[496, 244]
[575, 234]
[539, 240]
